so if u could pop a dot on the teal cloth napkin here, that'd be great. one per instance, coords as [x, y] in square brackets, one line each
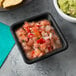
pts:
[6, 42]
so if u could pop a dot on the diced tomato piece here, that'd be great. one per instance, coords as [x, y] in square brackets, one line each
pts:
[44, 22]
[33, 23]
[29, 55]
[36, 45]
[50, 35]
[50, 48]
[27, 48]
[30, 42]
[55, 37]
[43, 47]
[41, 54]
[46, 50]
[37, 52]
[26, 24]
[48, 42]
[20, 32]
[23, 44]
[53, 31]
[29, 24]
[54, 46]
[26, 38]
[43, 33]
[22, 38]
[41, 41]
[42, 28]
[26, 27]
[34, 38]
[36, 32]
[30, 35]
[38, 25]
[33, 54]
[47, 28]
[52, 41]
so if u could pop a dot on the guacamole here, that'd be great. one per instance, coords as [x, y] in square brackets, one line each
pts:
[68, 7]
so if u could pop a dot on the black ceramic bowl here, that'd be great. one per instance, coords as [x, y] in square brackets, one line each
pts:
[49, 17]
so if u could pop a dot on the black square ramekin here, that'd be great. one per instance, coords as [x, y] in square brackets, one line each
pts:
[42, 16]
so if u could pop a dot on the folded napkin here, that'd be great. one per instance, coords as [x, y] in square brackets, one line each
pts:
[6, 42]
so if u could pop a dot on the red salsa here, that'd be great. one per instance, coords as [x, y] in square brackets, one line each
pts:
[38, 38]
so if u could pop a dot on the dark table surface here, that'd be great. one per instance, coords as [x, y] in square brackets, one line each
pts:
[62, 64]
